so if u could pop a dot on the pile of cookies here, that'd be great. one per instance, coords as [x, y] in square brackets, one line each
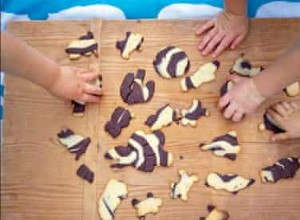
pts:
[146, 151]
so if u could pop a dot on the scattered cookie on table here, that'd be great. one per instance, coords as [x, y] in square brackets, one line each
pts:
[115, 191]
[226, 87]
[163, 117]
[150, 205]
[119, 120]
[243, 67]
[190, 116]
[270, 124]
[293, 89]
[285, 168]
[215, 214]
[171, 62]
[182, 188]
[131, 43]
[76, 144]
[230, 182]
[85, 173]
[133, 90]
[144, 152]
[84, 46]
[205, 74]
[79, 106]
[224, 146]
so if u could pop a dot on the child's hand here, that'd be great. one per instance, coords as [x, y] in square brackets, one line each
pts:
[287, 116]
[242, 99]
[225, 30]
[72, 84]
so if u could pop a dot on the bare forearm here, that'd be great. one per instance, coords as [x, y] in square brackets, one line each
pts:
[18, 58]
[236, 7]
[281, 73]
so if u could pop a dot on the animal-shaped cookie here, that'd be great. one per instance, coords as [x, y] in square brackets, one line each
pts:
[215, 214]
[205, 74]
[183, 186]
[270, 124]
[79, 106]
[171, 62]
[190, 116]
[115, 191]
[230, 182]
[132, 42]
[144, 152]
[84, 46]
[163, 117]
[119, 120]
[133, 90]
[243, 67]
[285, 168]
[150, 205]
[224, 146]
[85, 173]
[76, 144]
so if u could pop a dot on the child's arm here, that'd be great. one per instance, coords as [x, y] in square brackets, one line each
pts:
[247, 94]
[18, 58]
[227, 29]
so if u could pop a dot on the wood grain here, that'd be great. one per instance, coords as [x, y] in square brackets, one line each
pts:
[38, 177]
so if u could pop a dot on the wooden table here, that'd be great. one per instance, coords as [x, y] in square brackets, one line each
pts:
[38, 178]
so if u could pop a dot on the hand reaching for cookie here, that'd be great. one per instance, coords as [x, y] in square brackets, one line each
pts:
[72, 83]
[223, 31]
[287, 116]
[242, 98]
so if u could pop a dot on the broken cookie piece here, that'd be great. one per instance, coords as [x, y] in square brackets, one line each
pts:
[215, 214]
[224, 146]
[163, 117]
[270, 124]
[76, 144]
[150, 205]
[171, 62]
[230, 182]
[206, 73]
[79, 106]
[144, 152]
[119, 119]
[133, 90]
[131, 43]
[285, 168]
[85, 173]
[182, 188]
[243, 67]
[114, 192]
[190, 116]
[84, 46]
[293, 89]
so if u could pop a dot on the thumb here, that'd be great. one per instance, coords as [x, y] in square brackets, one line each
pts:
[280, 136]
[234, 78]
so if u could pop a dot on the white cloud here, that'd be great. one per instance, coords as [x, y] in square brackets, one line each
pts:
[186, 11]
[279, 9]
[7, 17]
[88, 12]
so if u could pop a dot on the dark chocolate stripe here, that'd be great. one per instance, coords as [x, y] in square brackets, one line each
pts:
[153, 118]
[89, 35]
[78, 108]
[85, 173]
[188, 83]
[227, 138]
[227, 178]
[65, 133]
[271, 126]
[224, 89]
[82, 51]
[80, 148]
[197, 113]
[122, 43]
[160, 135]
[174, 60]
[112, 214]
[140, 74]
[125, 89]
[161, 55]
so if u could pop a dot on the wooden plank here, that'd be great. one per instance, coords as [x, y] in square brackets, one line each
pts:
[38, 178]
